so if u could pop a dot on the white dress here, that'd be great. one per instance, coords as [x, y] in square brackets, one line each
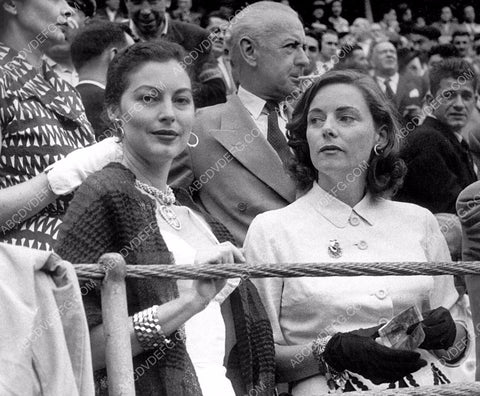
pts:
[300, 309]
[205, 332]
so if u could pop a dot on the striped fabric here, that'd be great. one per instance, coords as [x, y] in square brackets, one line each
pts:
[42, 119]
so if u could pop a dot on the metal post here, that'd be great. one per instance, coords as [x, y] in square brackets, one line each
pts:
[118, 349]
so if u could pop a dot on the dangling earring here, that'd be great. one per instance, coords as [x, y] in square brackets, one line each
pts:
[377, 150]
[196, 142]
[119, 128]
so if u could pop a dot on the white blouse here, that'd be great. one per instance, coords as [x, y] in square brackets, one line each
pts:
[300, 309]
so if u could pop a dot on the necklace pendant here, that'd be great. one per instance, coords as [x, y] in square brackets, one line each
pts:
[170, 217]
[334, 249]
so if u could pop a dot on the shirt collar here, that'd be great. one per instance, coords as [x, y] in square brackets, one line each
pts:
[256, 105]
[393, 81]
[92, 82]
[337, 212]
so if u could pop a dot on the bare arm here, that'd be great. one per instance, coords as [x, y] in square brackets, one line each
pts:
[171, 315]
[295, 362]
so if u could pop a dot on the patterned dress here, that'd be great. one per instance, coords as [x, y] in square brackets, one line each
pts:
[42, 119]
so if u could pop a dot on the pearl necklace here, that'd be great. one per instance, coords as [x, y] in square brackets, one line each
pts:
[165, 200]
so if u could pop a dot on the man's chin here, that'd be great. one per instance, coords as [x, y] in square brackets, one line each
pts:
[457, 126]
[148, 30]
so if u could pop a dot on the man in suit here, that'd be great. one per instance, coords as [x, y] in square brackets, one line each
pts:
[150, 21]
[92, 51]
[217, 24]
[438, 158]
[238, 162]
[406, 91]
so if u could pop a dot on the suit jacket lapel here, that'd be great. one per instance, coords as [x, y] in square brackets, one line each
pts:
[242, 138]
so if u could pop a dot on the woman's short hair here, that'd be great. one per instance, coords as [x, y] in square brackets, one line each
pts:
[385, 171]
[130, 60]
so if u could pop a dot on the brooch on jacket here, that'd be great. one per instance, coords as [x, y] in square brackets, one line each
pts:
[334, 249]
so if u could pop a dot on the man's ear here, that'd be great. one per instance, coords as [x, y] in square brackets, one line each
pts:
[248, 50]
[10, 6]
[111, 53]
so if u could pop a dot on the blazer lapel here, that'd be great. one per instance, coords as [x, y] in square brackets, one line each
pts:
[242, 138]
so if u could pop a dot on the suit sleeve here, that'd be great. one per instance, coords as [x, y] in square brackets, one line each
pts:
[429, 181]
[208, 86]
[259, 248]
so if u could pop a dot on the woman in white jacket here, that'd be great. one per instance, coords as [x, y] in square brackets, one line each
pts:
[343, 134]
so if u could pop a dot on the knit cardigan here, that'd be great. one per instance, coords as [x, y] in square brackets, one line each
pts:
[109, 214]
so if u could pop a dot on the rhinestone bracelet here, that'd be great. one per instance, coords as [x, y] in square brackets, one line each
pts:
[147, 328]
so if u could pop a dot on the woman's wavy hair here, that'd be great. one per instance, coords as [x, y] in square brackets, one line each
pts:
[385, 171]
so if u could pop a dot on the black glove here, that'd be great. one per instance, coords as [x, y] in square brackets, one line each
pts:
[364, 356]
[370, 332]
[439, 327]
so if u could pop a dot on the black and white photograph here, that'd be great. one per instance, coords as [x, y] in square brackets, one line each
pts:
[239, 198]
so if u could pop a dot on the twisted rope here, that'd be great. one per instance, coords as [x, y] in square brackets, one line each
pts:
[94, 271]
[467, 389]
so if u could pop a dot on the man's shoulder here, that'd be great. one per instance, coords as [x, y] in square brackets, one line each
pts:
[188, 29]
[426, 139]
[215, 112]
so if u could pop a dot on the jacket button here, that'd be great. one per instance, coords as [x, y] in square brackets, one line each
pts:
[381, 294]
[354, 221]
[242, 206]
[362, 245]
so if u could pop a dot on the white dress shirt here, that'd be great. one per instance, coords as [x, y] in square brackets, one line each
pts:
[300, 309]
[393, 82]
[256, 108]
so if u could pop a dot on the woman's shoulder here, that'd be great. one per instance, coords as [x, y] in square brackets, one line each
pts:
[403, 210]
[113, 177]
[276, 218]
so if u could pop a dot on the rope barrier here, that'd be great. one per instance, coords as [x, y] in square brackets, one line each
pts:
[251, 270]
[94, 271]
[467, 389]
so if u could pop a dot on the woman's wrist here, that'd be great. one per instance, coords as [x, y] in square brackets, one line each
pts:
[148, 329]
[193, 301]
[318, 347]
[457, 351]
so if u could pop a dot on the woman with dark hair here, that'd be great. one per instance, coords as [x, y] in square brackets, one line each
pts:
[180, 340]
[344, 136]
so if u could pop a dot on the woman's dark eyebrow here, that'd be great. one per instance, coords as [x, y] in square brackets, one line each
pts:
[344, 108]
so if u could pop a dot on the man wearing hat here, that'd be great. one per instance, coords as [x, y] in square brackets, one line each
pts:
[58, 56]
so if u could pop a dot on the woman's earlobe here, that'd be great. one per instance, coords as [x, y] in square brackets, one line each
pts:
[10, 7]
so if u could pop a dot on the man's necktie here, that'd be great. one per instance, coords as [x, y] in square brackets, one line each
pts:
[468, 154]
[388, 89]
[274, 135]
